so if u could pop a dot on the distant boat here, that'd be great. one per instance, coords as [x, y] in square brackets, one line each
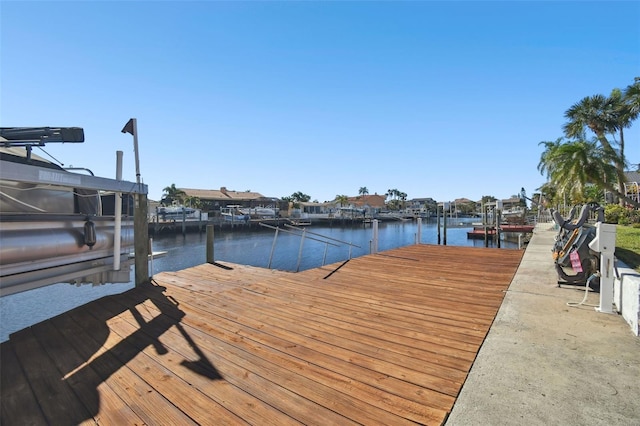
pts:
[176, 212]
[300, 222]
[259, 212]
[234, 214]
[514, 215]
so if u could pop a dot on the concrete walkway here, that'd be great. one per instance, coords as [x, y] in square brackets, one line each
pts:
[545, 363]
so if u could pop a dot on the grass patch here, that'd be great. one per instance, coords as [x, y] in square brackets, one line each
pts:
[628, 246]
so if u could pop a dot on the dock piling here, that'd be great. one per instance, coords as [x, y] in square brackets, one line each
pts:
[210, 244]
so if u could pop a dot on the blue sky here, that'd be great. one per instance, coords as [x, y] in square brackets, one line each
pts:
[435, 99]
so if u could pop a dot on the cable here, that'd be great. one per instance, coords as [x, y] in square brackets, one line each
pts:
[586, 293]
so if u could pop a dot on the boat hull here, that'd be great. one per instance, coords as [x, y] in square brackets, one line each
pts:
[39, 249]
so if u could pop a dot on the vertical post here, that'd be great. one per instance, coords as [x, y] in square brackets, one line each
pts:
[134, 123]
[324, 256]
[184, 221]
[605, 243]
[140, 215]
[273, 247]
[498, 229]
[141, 239]
[374, 248]
[498, 219]
[606, 283]
[486, 225]
[304, 232]
[444, 223]
[419, 237]
[117, 232]
[540, 206]
[151, 257]
[438, 222]
[210, 252]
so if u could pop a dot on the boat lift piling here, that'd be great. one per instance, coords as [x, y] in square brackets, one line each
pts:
[140, 214]
[118, 214]
[438, 222]
[445, 206]
[374, 242]
[210, 231]
[485, 224]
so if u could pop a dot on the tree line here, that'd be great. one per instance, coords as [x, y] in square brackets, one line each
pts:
[397, 199]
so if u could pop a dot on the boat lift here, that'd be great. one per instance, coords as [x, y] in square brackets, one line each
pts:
[589, 250]
[54, 228]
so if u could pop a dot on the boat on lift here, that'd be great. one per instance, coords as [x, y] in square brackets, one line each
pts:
[260, 212]
[176, 212]
[234, 214]
[58, 225]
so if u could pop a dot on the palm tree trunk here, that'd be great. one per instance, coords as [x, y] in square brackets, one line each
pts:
[619, 163]
[623, 197]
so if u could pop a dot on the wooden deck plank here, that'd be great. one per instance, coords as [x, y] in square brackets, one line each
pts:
[256, 340]
[145, 401]
[381, 339]
[407, 311]
[383, 319]
[232, 388]
[292, 332]
[190, 349]
[55, 397]
[301, 290]
[376, 330]
[18, 404]
[113, 409]
[347, 283]
[308, 324]
[178, 378]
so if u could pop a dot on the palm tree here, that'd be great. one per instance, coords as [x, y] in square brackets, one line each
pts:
[342, 200]
[602, 115]
[363, 191]
[627, 106]
[191, 201]
[573, 166]
[300, 197]
[171, 194]
[403, 198]
[632, 98]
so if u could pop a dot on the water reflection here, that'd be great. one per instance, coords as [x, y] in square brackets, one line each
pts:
[253, 247]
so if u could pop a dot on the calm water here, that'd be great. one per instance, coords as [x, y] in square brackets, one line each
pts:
[244, 247]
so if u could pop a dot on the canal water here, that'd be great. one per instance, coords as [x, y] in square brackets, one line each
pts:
[255, 247]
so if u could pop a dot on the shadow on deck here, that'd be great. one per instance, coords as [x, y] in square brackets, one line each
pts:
[383, 339]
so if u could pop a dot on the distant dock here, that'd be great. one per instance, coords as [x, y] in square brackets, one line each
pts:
[479, 232]
[194, 225]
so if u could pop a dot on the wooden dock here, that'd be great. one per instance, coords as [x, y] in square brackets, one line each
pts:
[479, 232]
[381, 339]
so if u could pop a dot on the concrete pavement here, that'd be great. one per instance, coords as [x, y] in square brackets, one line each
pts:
[546, 363]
